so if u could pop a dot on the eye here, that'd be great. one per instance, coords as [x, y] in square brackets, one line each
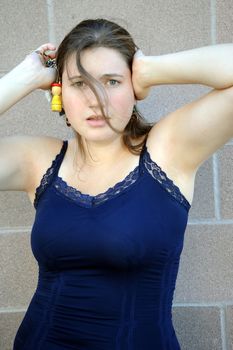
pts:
[115, 82]
[78, 84]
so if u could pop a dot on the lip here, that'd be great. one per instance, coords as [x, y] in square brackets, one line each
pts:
[95, 116]
[96, 122]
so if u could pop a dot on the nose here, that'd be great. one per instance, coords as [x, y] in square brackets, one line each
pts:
[93, 102]
[91, 98]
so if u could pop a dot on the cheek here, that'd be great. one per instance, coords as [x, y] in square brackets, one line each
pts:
[123, 102]
[71, 101]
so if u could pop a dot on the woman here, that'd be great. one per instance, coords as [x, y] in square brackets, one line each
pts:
[111, 203]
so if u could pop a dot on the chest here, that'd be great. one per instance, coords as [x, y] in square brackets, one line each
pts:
[131, 230]
[92, 181]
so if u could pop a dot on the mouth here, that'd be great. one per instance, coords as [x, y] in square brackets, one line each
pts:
[95, 117]
[96, 120]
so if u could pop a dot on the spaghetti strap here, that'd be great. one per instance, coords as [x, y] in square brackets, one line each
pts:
[50, 174]
[141, 159]
[59, 158]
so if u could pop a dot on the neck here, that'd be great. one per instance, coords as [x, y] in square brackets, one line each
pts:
[104, 153]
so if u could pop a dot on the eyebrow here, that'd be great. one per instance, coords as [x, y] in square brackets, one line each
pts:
[103, 76]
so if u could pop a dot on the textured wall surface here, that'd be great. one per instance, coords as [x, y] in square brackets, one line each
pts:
[203, 301]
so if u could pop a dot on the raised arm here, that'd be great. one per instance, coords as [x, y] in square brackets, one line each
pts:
[16, 152]
[29, 75]
[208, 65]
[198, 129]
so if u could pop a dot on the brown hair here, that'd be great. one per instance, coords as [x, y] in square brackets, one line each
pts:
[93, 33]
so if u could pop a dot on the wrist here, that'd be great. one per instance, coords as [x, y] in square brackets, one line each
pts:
[149, 71]
[17, 84]
[26, 76]
[23, 77]
[154, 71]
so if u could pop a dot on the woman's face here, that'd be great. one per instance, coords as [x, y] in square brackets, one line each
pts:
[79, 102]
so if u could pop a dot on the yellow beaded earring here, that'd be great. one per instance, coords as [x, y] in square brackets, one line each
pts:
[56, 103]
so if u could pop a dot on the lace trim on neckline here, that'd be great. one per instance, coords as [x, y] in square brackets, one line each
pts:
[89, 200]
[158, 174]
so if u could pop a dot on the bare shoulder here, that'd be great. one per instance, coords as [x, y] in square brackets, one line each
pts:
[24, 159]
[44, 147]
[43, 151]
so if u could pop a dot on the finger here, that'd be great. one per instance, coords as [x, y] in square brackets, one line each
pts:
[46, 48]
[47, 54]
[50, 53]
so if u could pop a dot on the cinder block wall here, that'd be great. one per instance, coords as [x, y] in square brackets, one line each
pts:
[203, 302]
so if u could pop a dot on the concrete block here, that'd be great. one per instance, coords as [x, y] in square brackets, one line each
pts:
[198, 328]
[9, 323]
[206, 265]
[19, 271]
[226, 181]
[24, 27]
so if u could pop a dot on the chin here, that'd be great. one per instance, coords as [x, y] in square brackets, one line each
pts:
[98, 136]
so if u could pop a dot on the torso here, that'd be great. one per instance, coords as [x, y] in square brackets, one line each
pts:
[86, 181]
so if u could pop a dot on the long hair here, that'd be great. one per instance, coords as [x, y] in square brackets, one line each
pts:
[94, 33]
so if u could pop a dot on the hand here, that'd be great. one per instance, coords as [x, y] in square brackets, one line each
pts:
[141, 90]
[37, 60]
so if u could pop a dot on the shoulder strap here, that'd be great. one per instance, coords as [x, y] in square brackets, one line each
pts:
[59, 158]
[142, 156]
[51, 172]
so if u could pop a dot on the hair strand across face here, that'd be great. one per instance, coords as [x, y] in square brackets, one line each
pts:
[95, 33]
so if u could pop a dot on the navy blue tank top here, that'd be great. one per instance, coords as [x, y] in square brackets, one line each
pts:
[107, 263]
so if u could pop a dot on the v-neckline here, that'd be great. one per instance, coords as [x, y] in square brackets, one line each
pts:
[89, 200]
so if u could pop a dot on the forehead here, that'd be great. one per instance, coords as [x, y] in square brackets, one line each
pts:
[99, 60]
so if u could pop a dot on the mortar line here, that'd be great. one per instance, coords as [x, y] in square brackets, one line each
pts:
[11, 310]
[203, 304]
[217, 205]
[51, 21]
[223, 328]
[211, 222]
[7, 230]
[27, 229]
[213, 22]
